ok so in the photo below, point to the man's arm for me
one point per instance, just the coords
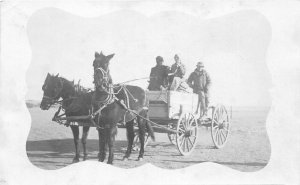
(208, 82)
(151, 73)
(182, 69)
(190, 80)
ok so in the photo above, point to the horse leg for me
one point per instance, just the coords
(85, 132)
(101, 155)
(111, 139)
(130, 138)
(142, 128)
(75, 131)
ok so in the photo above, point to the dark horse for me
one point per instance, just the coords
(115, 104)
(57, 87)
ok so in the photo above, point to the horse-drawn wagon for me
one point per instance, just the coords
(172, 112)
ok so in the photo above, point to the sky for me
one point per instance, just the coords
(232, 47)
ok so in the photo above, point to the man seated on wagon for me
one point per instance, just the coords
(177, 81)
(158, 76)
(200, 81)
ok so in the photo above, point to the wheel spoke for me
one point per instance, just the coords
(216, 115)
(223, 135)
(217, 138)
(219, 113)
(181, 142)
(181, 136)
(189, 118)
(216, 135)
(188, 121)
(181, 126)
(190, 141)
(180, 129)
(224, 116)
(187, 144)
(185, 121)
(220, 137)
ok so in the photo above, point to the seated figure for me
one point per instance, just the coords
(158, 76)
(177, 81)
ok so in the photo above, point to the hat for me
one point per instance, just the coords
(200, 64)
(176, 56)
(159, 59)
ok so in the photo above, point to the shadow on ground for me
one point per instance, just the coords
(50, 148)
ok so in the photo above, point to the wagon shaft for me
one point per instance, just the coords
(73, 118)
(164, 130)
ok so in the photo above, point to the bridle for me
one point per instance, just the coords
(54, 100)
(104, 82)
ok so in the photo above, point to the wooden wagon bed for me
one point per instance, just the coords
(167, 105)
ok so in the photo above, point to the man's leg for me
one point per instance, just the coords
(202, 99)
(175, 84)
(206, 101)
(198, 103)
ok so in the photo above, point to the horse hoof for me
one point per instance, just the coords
(84, 158)
(140, 159)
(125, 158)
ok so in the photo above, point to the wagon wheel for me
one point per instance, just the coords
(220, 126)
(186, 138)
(136, 141)
(171, 136)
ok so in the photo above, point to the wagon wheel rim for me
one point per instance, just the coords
(186, 138)
(220, 126)
(172, 136)
(136, 142)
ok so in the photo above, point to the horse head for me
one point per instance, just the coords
(52, 89)
(101, 71)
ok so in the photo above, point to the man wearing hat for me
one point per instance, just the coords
(177, 73)
(200, 81)
(158, 76)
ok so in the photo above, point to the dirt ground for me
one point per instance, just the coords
(50, 145)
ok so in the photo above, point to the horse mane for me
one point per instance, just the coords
(79, 89)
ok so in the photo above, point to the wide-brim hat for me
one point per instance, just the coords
(200, 64)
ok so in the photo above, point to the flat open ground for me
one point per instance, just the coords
(50, 145)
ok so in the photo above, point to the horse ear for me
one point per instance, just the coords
(101, 53)
(57, 75)
(110, 56)
(97, 54)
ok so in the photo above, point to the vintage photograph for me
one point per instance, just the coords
(170, 89)
(149, 92)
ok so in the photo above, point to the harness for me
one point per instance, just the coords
(111, 97)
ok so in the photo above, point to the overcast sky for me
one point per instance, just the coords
(232, 47)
